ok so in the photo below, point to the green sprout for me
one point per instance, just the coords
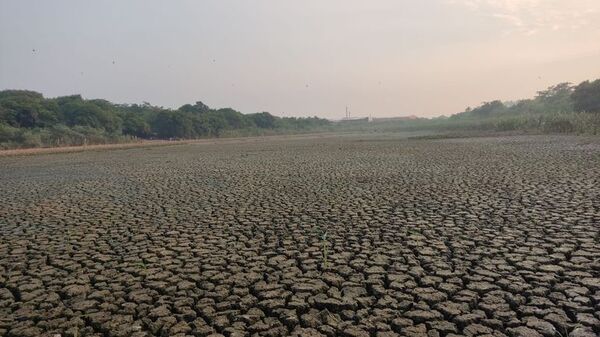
(325, 244)
(566, 332)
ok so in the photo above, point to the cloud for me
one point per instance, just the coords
(533, 16)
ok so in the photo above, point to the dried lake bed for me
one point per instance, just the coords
(336, 235)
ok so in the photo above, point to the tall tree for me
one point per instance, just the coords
(586, 96)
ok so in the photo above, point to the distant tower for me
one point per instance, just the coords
(347, 113)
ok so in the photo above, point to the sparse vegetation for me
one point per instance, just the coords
(562, 108)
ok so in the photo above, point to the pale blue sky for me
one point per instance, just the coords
(311, 57)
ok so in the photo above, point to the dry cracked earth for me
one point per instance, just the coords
(355, 235)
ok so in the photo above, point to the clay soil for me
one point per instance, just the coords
(350, 235)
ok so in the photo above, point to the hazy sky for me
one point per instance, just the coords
(309, 57)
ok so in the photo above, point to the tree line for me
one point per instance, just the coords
(560, 108)
(29, 119)
(560, 98)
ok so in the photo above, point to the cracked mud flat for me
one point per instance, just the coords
(471, 237)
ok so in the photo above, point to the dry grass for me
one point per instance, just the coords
(149, 143)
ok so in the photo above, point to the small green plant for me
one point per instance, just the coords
(566, 332)
(325, 245)
(322, 235)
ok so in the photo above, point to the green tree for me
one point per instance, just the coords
(263, 120)
(556, 98)
(586, 96)
(234, 119)
(198, 108)
(22, 108)
(488, 109)
(173, 124)
(135, 125)
(92, 114)
(216, 123)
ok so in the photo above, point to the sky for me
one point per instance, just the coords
(381, 58)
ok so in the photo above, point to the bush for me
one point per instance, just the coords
(8, 133)
(508, 124)
(558, 124)
(30, 138)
